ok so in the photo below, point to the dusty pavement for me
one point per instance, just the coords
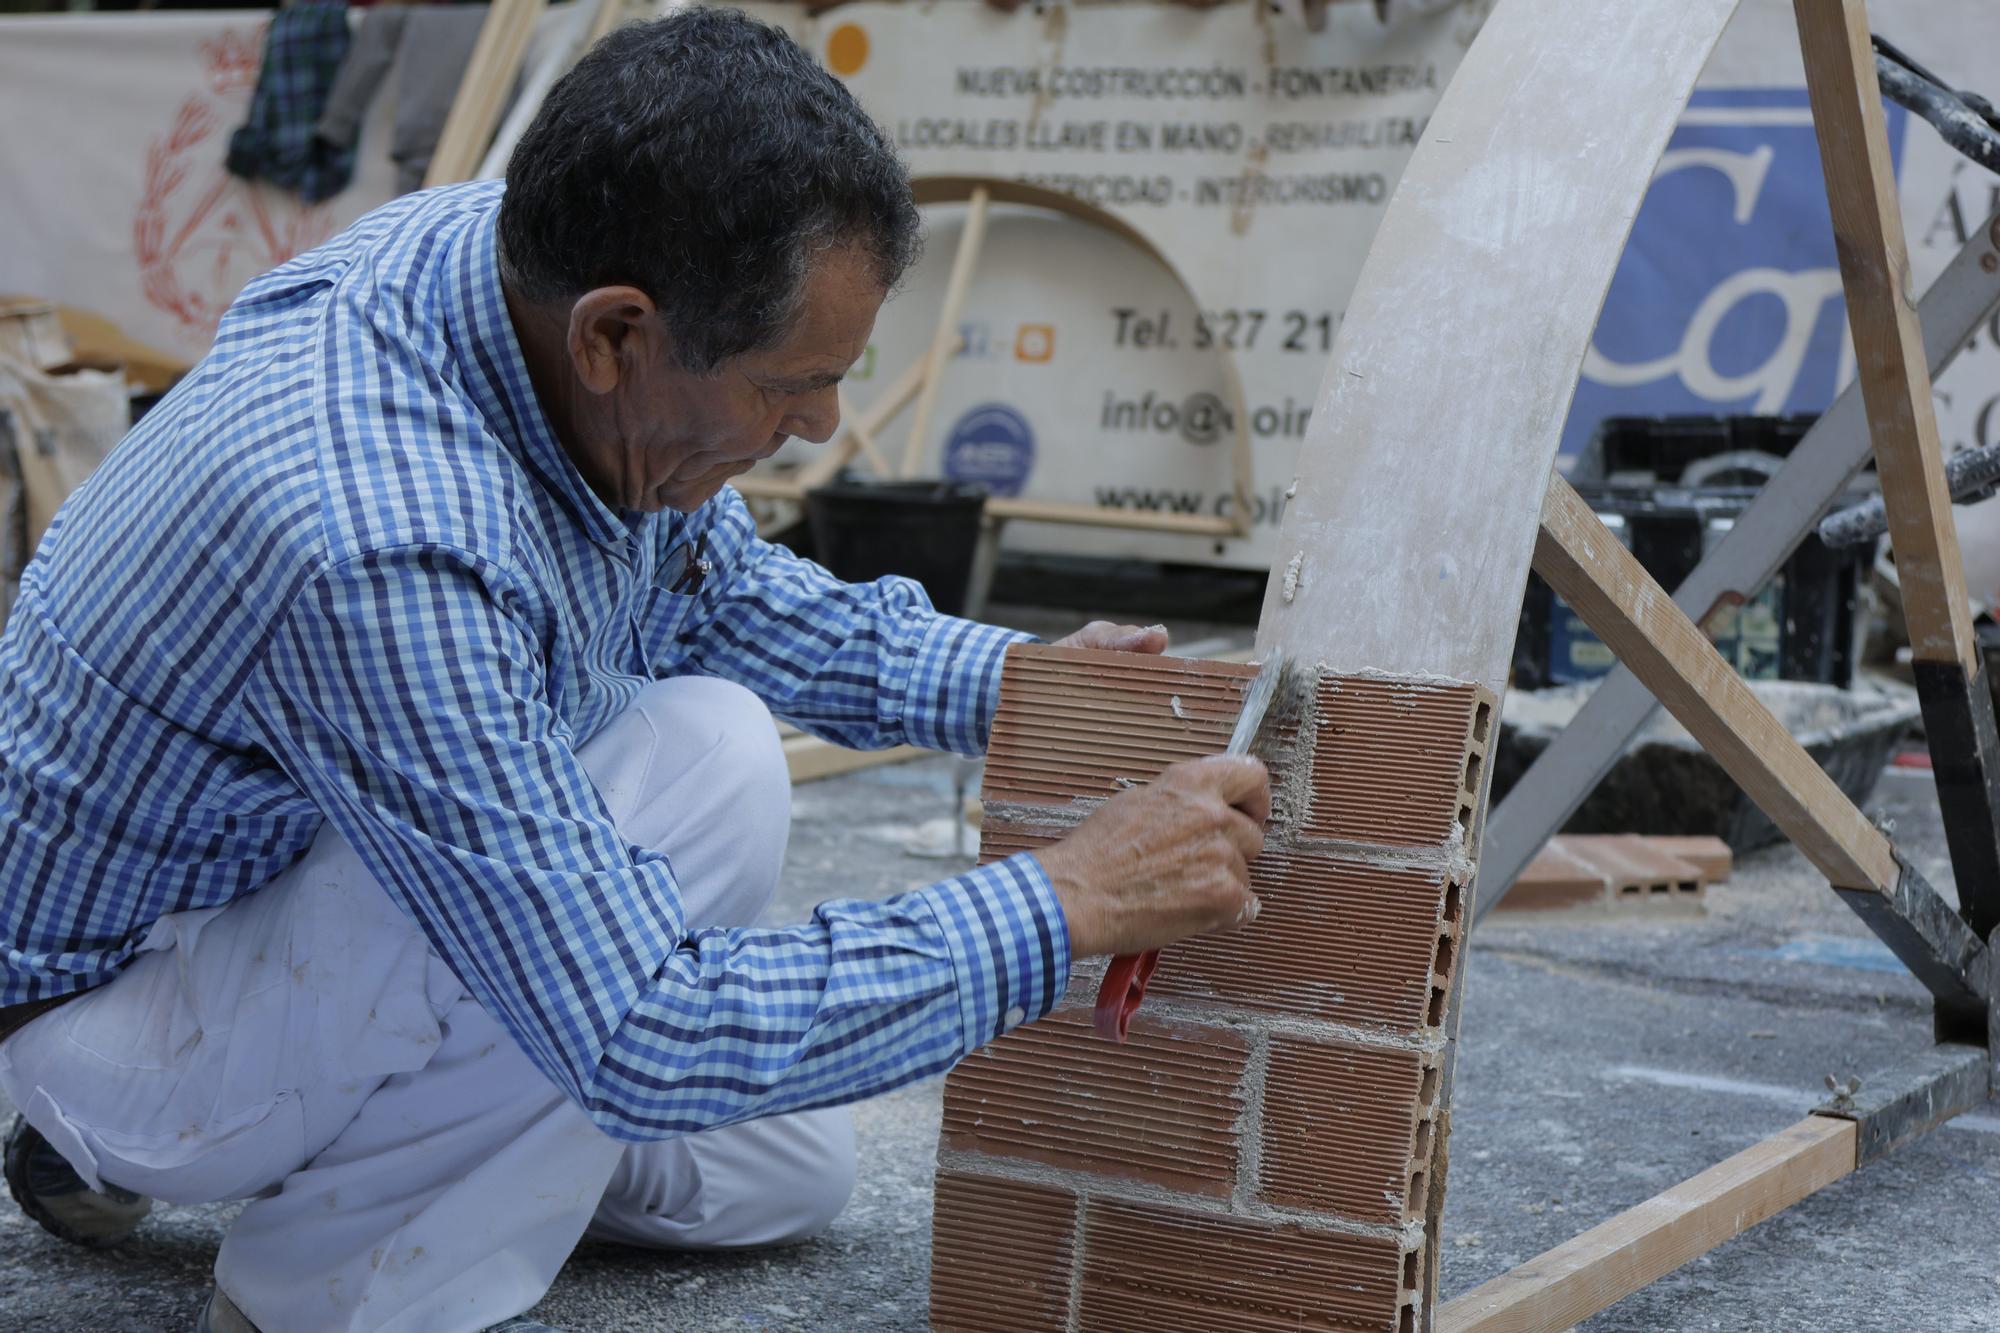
(1601, 1063)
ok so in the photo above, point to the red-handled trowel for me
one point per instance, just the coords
(1124, 984)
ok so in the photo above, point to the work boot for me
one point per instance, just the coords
(220, 1315)
(50, 1191)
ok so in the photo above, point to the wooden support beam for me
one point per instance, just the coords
(482, 91)
(862, 435)
(1896, 1106)
(1896, 388)
(1622, 604)
(1785, 510)
(1608, 1263)
(969, 241)
(1881, 316)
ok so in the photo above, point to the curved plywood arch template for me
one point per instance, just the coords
(1420, 481)
(1307, 1059)
(1420, 485)
(921, 381)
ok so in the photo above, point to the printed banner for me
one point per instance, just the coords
(1258, 157)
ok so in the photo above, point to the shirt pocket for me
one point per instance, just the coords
(661, 626)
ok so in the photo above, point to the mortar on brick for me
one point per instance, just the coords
(1165, 1271)
(1341, 1122)
(1002, 1255)
(1161, 1108)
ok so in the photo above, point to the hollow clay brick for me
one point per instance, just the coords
(1390, 760)
(1336, 939)
(1162, 1108)
(1001, 1253)
(1341, 1128)
(1557, 879)
(1073, 722)
(1343, 940)
(1150, 1268)
(1711, 856)
(1635, 867)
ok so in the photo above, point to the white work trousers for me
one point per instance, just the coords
(410, 1169)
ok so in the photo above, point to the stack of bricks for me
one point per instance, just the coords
(1264, 1152)
(1600, 872)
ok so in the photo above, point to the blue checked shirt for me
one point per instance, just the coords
(345, 573)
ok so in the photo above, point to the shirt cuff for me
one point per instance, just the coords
(1009, 944)
(955, 684)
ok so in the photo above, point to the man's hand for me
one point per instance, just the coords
(1118, 638)
(1166, 861)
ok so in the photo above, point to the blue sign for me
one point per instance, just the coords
(993, 445)
(1728, 297)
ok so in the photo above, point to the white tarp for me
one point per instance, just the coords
(115, 198)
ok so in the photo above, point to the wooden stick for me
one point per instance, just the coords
(881, 412)
(1608, 1263)
(489, 76)
(809, 757)
(864, 437)
(565, 49)
(1045, 511)
(1888, 346)
(1030, 511)
(1638, 620)
(969, 241)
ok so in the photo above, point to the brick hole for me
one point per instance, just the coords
(1629, 890)
(1687, 886)
(1481, 720)
(1408, 1323)
(1444, 956)
(1472, 775)
(1410, 1270)
(1437, 1007)
(1417, 1189)
(1453, 901)
(1465, 818)
(1422, 1150)
(1661, 888)
(1427, 1091)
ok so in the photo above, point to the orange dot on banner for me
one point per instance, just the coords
(847, 49)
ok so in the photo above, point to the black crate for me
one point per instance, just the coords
(1800, 627)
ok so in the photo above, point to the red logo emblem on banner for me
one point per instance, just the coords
(201, 233)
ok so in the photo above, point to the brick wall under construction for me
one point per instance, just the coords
(1264, 1150)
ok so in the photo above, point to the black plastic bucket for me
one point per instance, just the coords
(925, 530)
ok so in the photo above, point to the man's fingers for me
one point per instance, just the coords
(1118, 638)
(1244, 833)
(1240, 780)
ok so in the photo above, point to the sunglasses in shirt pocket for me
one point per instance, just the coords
(664, 611)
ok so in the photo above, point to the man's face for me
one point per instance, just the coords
(664, 438)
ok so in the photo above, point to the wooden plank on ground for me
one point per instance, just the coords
(1607, 1263)
(1622, 604)
(809, 757)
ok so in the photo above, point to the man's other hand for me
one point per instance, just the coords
(1165, 861)
(1118, 638)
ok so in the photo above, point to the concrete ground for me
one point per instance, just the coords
(1601, 1063)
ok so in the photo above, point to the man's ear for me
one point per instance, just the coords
(612, 332)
